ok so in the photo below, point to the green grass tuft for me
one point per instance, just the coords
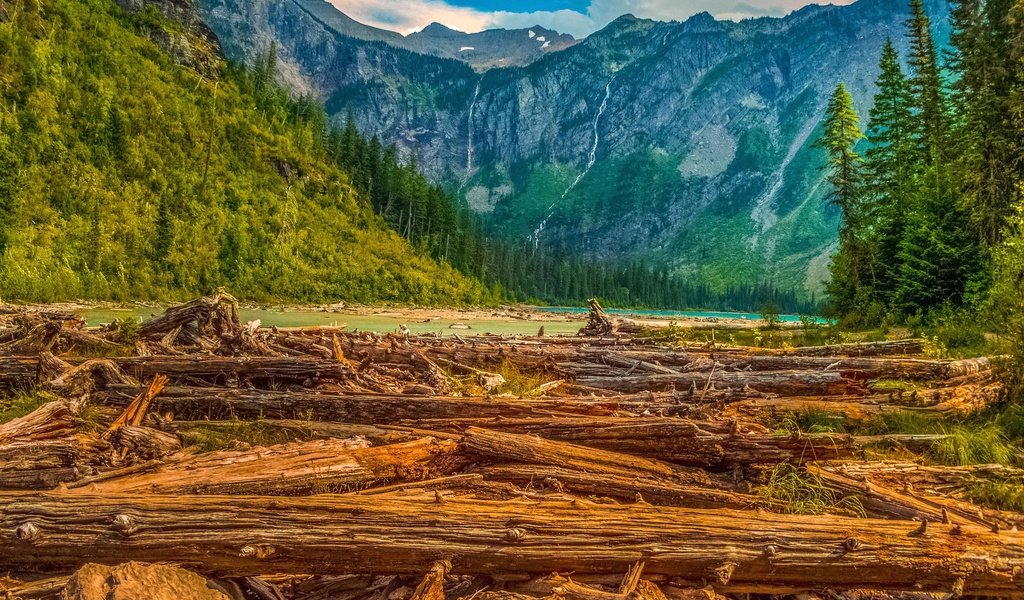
(20, 404)
(966, 445)
(792, 491)
(209, 438)
(998, 495)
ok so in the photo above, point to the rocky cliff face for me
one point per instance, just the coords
(689, 143)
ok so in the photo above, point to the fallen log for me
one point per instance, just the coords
(298, 468)
(367, 409)
(233, 370)
(216, 314)
(784, 383)
(888, 348)
(290, 430)
(506, 447)
(685, 442)
(43, 448)
(629, 489)
(18, 372)
(347, 535)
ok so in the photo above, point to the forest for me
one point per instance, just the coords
(125, 175)
(931, 193)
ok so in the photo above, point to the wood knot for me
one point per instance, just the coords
(515, 534)
(26, 532)
(723, 574)
(257, 552)
(771, 551)
(851, 544)
(123, 523)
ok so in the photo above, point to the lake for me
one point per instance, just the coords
(442, 325)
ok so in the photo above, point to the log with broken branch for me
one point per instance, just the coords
(347, 535)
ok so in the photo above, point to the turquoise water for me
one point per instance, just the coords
(374, 323)
(676, 314)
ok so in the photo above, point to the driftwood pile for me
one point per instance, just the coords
(403, 468)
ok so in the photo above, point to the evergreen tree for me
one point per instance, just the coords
(931, 125)
(851, 266)
(988, 143)
(889, 163)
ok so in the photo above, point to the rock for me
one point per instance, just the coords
(134, 580)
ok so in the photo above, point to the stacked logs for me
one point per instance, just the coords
(362, 466)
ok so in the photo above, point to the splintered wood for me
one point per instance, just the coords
(396, 467)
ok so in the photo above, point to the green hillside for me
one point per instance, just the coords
(135, 164)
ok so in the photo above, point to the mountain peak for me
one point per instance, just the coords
(436, 28)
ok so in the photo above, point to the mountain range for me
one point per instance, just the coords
(689, 143)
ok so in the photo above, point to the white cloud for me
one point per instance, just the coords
(407, 16)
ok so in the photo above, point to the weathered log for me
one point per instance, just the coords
(888, 348)
(630, 489)
(938, 487)
(685, 442)
(881, 501)
(79, 380)
(219, 312)
(229, 370)
(224, 403)
(18, 372)
(527, 449)
(51, 420)
(41, 338)
(432, 586)
(347, 535)
(146, 443)
(43, 448)
(286, 430)
(296, 468)
(785, 383)
(598, 323)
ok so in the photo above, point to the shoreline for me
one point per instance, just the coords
(518, 313)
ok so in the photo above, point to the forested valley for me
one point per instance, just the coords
(136, 164)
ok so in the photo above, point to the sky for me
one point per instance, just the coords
(577, 17)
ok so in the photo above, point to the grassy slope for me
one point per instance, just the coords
(105, 190)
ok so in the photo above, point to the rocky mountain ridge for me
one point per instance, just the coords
(688, 143)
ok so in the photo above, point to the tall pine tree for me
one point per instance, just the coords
(889, 163)
(852, 265)
(988, 143)
(931, 125)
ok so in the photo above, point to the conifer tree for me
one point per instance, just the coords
(988, 143)
(889, 165)
(851, 266)
(931, 124)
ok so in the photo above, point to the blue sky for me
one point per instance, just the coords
(578, 17)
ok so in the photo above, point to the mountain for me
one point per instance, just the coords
(488, 49)
(688, 144)
(135, 164)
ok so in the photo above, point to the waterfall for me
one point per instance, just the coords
(469, 137)
(591, 159)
